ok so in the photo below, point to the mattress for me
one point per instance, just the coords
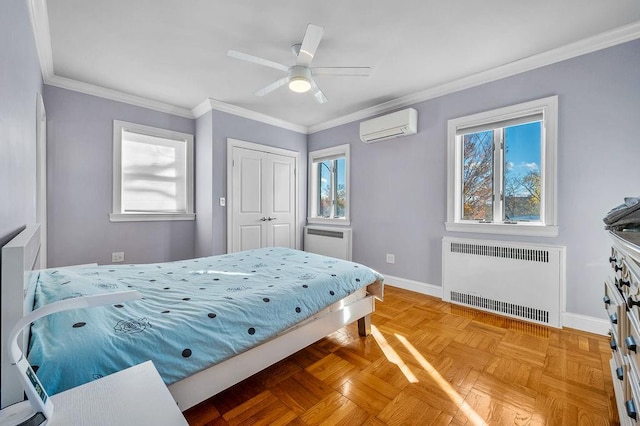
(193, 314)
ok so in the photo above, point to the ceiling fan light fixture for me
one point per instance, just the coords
(299, 79)
(299, 84)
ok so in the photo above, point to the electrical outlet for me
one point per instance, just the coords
(391, 258)
(223, 202)
(117, 256)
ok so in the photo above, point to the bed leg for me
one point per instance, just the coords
(364, 325)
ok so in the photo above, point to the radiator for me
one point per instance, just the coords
(523, 281)
(333, 242)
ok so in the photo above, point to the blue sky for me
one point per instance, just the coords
(341, 174)
(523, 148)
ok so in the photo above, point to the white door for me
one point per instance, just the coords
(263, 200)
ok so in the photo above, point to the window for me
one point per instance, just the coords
(152, 174)
(329, 185)
(502, 170)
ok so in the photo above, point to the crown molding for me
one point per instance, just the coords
(40, 24)
(115, 95)
(591, 44)
(39, 18)
(202, 108)
(212, 104)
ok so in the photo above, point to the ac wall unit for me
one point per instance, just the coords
(399, 123)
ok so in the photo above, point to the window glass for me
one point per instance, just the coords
(331, 188)
(477, 179)
(152, 174)
(522, 179)
(324, 190)
(329, 185)
(502, 168)
(341, 187)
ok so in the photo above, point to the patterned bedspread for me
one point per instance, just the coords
(193, 314)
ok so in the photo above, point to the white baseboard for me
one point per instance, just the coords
(586, 323)
(418, 287)
(570, 320)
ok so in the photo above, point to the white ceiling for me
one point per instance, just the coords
(174, 51)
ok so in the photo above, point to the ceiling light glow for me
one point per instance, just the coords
(299, 84)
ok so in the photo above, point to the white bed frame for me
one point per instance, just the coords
(19, 257)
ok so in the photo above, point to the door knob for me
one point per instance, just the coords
(263, 219)
(271, 218)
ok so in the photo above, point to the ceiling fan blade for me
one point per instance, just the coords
(342, 71)
(317, 93)
(273, 86)
(257, 60)
(310, 43)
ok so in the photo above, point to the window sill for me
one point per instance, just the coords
(504, 229)
(327, 221)
(150, 217)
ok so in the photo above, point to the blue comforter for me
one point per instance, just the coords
(193, 314)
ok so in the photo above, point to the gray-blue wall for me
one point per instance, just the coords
(213, 129)
(205, 203)
(80, 169)
(80, 159)
(398, 187)
(20, 81)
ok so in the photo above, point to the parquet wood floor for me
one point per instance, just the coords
(428, 362)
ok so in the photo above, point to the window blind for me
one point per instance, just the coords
(154, 174)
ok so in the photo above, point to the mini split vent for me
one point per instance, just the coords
(522, 281)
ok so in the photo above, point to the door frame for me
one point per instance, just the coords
(237, 143)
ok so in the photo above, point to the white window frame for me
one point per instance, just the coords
(117, 214)
(547, 227)
(314, 158)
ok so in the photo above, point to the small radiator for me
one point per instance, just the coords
(333, 242)
(523, 281)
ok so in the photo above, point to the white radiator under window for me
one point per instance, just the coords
(334, 242)
(523, 281)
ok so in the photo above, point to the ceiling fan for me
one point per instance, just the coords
(300, 76)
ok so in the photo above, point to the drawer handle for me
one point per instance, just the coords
(612, 259)
(614, 318)
(631, 409)
(631, 343)
(632, 302)
(617, 268)
(613, 345)
(625, 282)
(607, 300)
(620, 373)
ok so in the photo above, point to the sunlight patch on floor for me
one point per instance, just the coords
(392, 355)
(444, 385)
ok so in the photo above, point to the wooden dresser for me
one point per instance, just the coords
(622, 302)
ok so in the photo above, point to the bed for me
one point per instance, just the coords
(194, 301)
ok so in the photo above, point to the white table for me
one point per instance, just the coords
(135, 396)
